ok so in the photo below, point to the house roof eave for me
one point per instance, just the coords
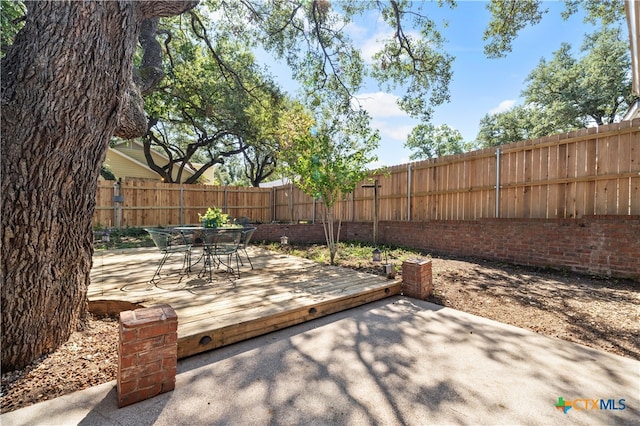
(632, 10)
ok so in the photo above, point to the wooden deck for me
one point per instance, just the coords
(279, 292)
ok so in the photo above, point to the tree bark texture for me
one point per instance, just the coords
(67, 87)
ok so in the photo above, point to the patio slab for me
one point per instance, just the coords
(393, 361)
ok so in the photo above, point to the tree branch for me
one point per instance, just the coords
(317, 20)
(227, 72)
(132, 121)
(150, 72)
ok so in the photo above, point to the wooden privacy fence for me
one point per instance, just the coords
(588, 172)
(593, 171)
(148, 203)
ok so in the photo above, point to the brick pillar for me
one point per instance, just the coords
(416, 278)
(147, 353)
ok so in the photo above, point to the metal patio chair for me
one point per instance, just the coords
(247, 233)
(170, 242)
(220, 247)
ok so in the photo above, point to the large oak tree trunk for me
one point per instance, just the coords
(66, 89)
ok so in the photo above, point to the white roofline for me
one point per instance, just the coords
(632, 10)
(131, 159)
(164, 157)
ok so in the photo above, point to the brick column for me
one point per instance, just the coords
(416, 278)
(147, 353)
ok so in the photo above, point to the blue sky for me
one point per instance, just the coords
(479, 85)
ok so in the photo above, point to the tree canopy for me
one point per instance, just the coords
(570, 91)
(509, 17)
(429, 141)
(213, 104)
(594, 87)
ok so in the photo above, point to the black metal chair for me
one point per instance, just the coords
(169, 242)
(220, 246)
(247, 233)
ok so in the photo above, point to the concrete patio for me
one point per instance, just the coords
(393, 361)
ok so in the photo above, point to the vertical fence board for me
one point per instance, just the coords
(485, 185)
(428, 202)
(450, 190)
(571, 193)
(539, 166)
(552, 198)
(579, 172)
(634, 166)
(586, 173)
(473, 194)
(508, 195)
(518, 178)
(465, 194)
(562, 186)
(521, 210)
(422, 187)
(433, 197)
(629, 164)
(624, 167)
(444, 193)
(612, 169)
(602, 168)
(458, 204)
(486, 177)
(590, 170)
(447, 197)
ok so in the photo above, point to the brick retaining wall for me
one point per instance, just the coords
(598, 245)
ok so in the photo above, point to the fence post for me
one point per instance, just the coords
(353, 206)
(291, 201)
(375, 187)
(272, 202)
(181, 212)
(375, 211)
(118, 199)
(408, 192)
(115, 207)
(497, 183)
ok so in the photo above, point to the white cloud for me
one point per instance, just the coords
(393, 124)
(355, 31)
(374, 43)
(380, 105)
(369, 48)
(392, 130)
(503, 106)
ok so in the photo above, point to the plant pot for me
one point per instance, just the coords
(209, 223)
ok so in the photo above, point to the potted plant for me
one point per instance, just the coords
(213, 218)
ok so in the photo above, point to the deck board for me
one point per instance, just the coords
(279, 292)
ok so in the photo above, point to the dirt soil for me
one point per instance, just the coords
(603, 314)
